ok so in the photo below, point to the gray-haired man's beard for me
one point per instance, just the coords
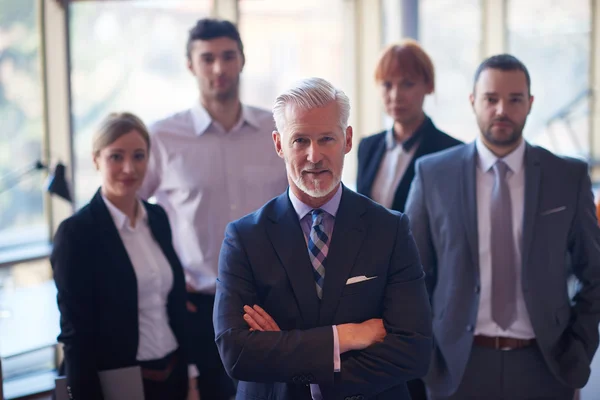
(315, 189)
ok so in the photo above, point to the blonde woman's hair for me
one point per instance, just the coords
(116, 125)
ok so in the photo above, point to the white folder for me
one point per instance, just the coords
(117, 384)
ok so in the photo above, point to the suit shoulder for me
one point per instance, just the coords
(372, 139)
(74, 233)
(549, 158)
(81, 221)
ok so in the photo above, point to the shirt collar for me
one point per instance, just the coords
(120, 219)
(407, 145)
(331, 207)
(202, 119)
(486, 159)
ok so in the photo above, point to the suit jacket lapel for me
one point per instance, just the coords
(114, 247)
(425, 146)
(373, 167)
(469, 201)
(347, 237)
(289, 243)
(160, 235)
(532, 188)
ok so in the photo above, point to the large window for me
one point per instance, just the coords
(127, 56)
(288, 40)
(29, 324)
(552, 38)
(451, 31)
(22, 218)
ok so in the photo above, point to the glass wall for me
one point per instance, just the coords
(451, 33)
(29, 325)
(288, 40)
(552, 38)
(22, 217)
(127, 56)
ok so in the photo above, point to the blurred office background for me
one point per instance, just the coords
(65, 64)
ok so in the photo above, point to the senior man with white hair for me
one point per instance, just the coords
(320, 293)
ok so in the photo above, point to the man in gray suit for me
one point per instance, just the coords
(501, 225)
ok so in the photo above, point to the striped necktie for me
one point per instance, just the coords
(318, 247)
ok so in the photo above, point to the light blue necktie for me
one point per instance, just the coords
(318, 248)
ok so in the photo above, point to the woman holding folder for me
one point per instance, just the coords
(121, 288)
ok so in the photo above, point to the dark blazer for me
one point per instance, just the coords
(97, 294)
(372, 149)
(559, 224)
(264, 260)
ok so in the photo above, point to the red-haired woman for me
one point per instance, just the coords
(386, 160)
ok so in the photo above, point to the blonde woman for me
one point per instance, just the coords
(121, 289)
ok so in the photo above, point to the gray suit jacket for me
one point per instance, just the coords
(560, 238)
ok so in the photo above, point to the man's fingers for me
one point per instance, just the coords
(191, 307)
(254, 326)
(257, 317)
(266, 316)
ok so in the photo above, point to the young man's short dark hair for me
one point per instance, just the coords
(503, 62)
(209, 28)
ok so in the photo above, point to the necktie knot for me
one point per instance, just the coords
(501, 169)
(317, 216)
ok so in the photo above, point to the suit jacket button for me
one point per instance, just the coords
(470, 328)
(477, 289)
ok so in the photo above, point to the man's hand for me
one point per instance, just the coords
(259, 320)
(193, 393)
(360, 336)
(189, 305)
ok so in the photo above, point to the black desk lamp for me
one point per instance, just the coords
(56, 183)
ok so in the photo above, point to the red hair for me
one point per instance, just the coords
(406, 58)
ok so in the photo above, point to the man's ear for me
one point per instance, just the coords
(530, 104)
(190, 66)
(348, 143)
(277, 142)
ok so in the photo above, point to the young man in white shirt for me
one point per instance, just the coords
(211, 164)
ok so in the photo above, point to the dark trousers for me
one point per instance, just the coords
(213, 382)
(508, 375)
(175, 387)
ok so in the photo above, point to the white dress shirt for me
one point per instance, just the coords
(206, 177)
(393, 166)
(521, 327)
(304, 215)
(154, 278)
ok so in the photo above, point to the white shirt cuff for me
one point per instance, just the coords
(192, 371)
(337, 363)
